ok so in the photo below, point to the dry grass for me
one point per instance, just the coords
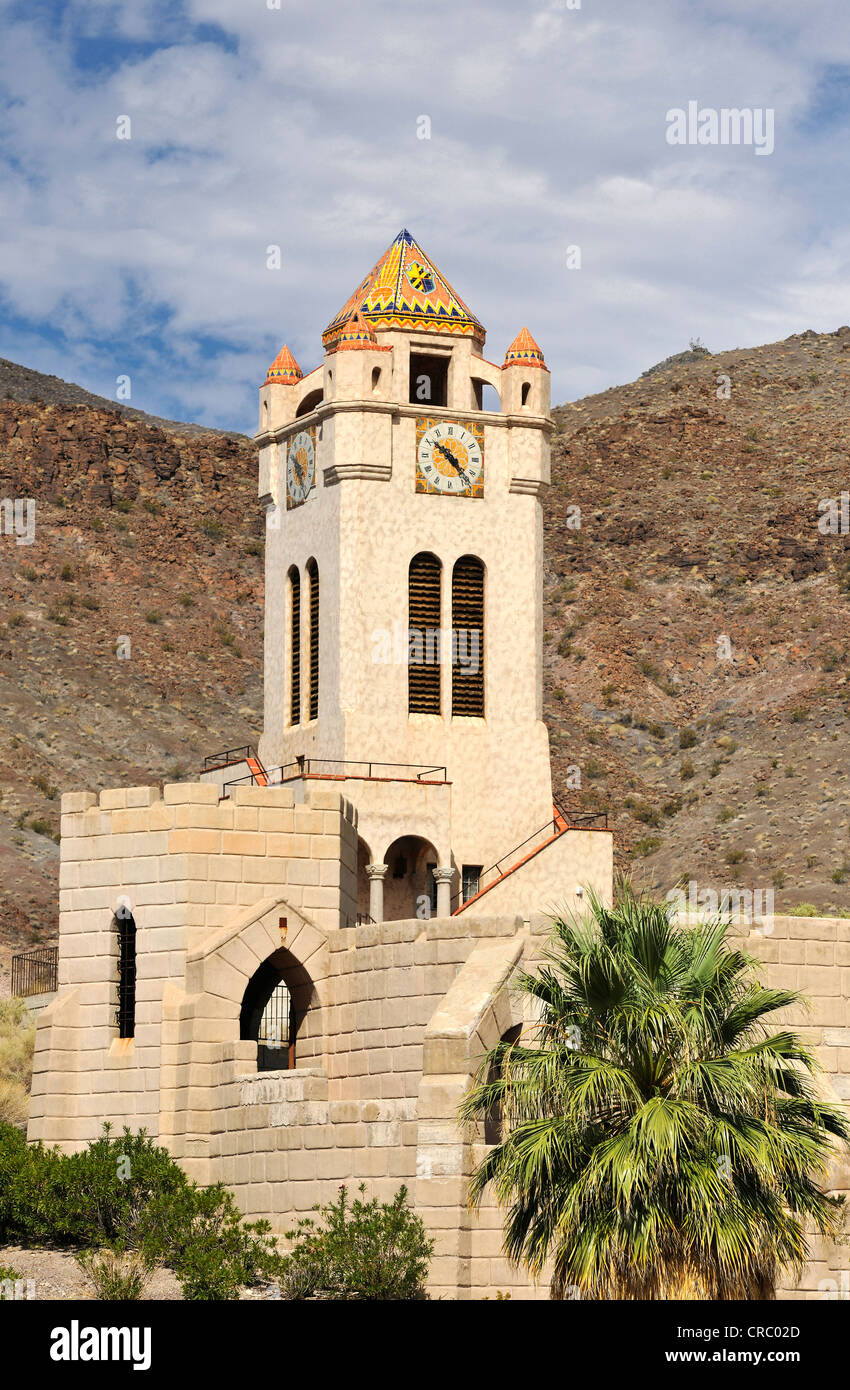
(17, 1039)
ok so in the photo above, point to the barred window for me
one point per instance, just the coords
(295, 646)
(468, 637)
(423, 659)
(313, 576)
(126, 1014)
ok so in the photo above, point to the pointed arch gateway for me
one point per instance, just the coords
(275, 1005)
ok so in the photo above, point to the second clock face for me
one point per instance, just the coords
(300, 468)
(449, 458)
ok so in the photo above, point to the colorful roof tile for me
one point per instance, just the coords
(284, 370)
(356, 334)
(524, 350)
(406, 290)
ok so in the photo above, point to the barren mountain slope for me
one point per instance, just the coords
(141, 535)
(696, 625)
(699, 541)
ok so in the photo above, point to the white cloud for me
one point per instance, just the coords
(548, 128)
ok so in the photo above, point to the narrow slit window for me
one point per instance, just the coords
(126, 1014)
(295, 646)
(468, 637)
(423, 654)
(313, 576)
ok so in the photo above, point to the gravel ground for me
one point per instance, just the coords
(57, 1276)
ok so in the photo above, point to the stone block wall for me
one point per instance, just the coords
(401, 1013)
(185, 863)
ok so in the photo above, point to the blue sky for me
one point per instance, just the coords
(254, 126)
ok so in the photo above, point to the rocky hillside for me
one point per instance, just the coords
(131, 630)
(696, 623)
(698, 620)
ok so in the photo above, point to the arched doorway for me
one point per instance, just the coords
(410, 889)
(276, 1013)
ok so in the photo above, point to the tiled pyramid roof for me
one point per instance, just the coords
(284, 369)
(406, 290)
(523, 349)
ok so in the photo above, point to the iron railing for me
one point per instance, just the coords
(310, 767)
(563, 820)
(36, 972)
(230, 755)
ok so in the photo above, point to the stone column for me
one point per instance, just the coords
(444, 875)
(375, 874)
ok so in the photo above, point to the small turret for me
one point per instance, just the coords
(279, 392)
(526, 378)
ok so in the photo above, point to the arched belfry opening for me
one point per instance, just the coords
(280, 1013)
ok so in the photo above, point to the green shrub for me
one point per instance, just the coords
(126, 1194)
(688, 738)
(366, 1250)
(804, 910)
(647, 846)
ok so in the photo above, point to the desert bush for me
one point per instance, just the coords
(804, 910)
(688, 738)
(14, 1104)
(646, 846)
(114, 1276)
(126, 1194)
(366, 1250)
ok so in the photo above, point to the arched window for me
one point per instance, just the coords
(125, 1015)
(294, 646)
(423, 656)
(526, 388)
(275, 1007)
(313, 576)
(468, 637)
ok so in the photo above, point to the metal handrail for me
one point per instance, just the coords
(302, 767)
(550, 828)
(222, 759)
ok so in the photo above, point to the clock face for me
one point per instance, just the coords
(300, 467)
(450, 458)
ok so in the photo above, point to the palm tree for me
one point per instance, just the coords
(659, 1142)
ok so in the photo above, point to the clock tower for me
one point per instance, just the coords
(404, 557)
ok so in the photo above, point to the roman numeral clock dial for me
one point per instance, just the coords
(300, 467)
(450, 458)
